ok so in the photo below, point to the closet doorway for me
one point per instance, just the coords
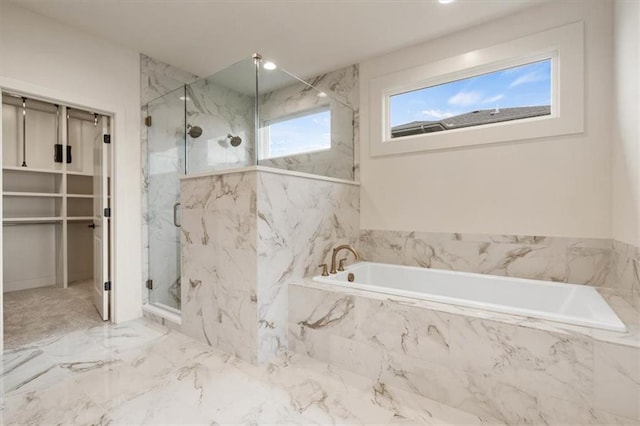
(56, 211)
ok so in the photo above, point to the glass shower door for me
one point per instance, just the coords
(166, 163)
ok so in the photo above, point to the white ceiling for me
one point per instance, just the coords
(306, 37)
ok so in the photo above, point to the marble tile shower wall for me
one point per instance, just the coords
(219, 268)
(597, 262)
(219, 111)
(156, 79)
(245, 238)
(342, 84)
(299, 221)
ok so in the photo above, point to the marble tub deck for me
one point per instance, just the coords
(510, 368)
(142, 373)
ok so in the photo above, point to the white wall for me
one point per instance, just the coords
(626, 125)
(555, 187)
(40, 56)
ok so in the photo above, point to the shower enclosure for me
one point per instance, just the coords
(251, 113)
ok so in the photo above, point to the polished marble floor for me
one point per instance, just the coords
(31, 315)
(142, 373)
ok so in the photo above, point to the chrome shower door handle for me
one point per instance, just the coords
(175, 215)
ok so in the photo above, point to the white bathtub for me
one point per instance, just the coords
(565, 303)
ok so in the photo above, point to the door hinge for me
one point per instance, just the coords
(147, 121)
(106, 138)
(107, 212)
(150, 284)
(107, 286)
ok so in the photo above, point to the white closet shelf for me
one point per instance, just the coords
(32, 170)
(72, 173)
(74, 218)
(30, 219)
(31, 194)
(79, 196)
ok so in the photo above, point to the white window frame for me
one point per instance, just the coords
(564, 46)
(265, 134)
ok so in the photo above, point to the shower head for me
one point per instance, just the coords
(194, 131)
(234, 140)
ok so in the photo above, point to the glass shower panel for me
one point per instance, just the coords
(302, 128)
(166, 163)
(222, 107)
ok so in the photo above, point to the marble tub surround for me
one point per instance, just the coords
(245, 237)
(625, 271)
(573, 260)
(342, 86)
(113, 374)
(500, 367)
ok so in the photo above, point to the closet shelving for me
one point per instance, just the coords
(47, 193)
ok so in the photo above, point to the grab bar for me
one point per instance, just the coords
(175, 215)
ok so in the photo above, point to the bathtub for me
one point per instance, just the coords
(565, 303)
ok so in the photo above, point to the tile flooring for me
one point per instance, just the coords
(142, 373)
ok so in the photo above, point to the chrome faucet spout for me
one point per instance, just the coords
(335, 255)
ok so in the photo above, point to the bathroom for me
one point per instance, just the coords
(515, 290)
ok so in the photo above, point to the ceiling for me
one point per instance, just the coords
(306, 37)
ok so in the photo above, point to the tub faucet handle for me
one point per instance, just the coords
(325, 272)
(341, 264)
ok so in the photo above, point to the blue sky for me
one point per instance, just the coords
(525, 85)
(301, 134)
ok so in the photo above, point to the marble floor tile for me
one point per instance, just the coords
(142, 373)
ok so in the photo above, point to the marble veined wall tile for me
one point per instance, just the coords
(408, 330)
(574, 260)
(624, 271)
(219, 262)
(497, 370)
(245, 238)
(219, 111)
(158, 78)
(536, 361)
(299, 221)
(617, 380)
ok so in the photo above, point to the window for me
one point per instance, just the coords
(514, 93)
(302, 133)
(527, 88)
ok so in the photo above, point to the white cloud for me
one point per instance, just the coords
(530, 77)
(465, 98)
(492, 99)
(436, 114)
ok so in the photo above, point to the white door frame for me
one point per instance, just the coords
(114, 113)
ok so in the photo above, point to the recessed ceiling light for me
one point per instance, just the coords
(269, 66)
(185, 98)
(322, 95)
(445, 1)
